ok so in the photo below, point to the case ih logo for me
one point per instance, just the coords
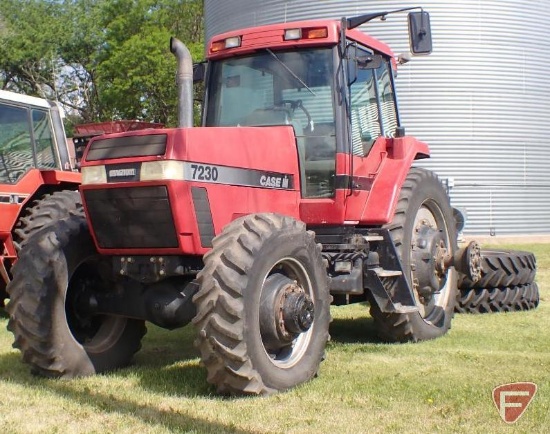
(513, 399)
(122, 173)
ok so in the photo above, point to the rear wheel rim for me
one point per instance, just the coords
(431, 214)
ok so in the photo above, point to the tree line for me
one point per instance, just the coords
(101, 59)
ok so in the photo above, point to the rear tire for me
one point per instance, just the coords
(422, 201)
(56, 337)
(247, 342)
(508, 299)
(503, 268)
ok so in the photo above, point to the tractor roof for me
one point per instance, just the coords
(273, 36)
(23, 99)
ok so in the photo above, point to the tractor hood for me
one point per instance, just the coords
(172, 154)
(171, 191)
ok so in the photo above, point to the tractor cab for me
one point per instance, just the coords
(331, 83)
(28, 137)
(290, 87)
(334, 86)
(37, 184)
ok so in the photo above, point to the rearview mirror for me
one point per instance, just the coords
(199, 70)
(359, 59)
(420, 32)
(372, 61)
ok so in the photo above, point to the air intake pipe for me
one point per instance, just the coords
(184, 81)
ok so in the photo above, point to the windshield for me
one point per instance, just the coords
(282, 88)
(19, 128)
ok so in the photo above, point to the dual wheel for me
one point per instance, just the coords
(507, 284)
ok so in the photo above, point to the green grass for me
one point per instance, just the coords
(364, 386)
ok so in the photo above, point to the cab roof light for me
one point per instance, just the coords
(307, 33)
(315, 33)
(217, 46)
(293, 34)
(233, 42)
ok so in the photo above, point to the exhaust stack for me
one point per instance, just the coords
(184, 81)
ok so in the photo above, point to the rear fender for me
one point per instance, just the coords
(382, 199)
(56, 177)
(15, 197)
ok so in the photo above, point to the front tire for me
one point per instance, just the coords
(263, 307)
(56, 337)
(422, 208)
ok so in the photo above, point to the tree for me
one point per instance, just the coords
(81, 52)
(136, 75)
(100, 59)
(50, 49)
(29, 46)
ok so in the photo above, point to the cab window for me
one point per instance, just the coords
(26, 141)
(371, 101)
(45, 149)
(293, 88)
(16, 155)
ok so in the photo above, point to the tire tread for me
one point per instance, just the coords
(400, 327)
(220, 320)
(507, 299)
(32, 300)
(503, 269)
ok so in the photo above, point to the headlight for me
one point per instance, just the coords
(162, 170)
(94, 175)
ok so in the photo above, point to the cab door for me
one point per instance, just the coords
(372, 122)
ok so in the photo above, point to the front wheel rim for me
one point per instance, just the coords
(96, 333)
(293, 286)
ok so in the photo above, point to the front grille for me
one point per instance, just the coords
(131, 218)
(131, 146)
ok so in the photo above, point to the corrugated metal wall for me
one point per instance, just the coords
(481, 100)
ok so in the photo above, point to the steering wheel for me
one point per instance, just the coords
(294, 104)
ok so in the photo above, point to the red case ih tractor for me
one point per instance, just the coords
(37, 184)
(296, 192)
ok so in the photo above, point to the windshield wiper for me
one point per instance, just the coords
(290, 71)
